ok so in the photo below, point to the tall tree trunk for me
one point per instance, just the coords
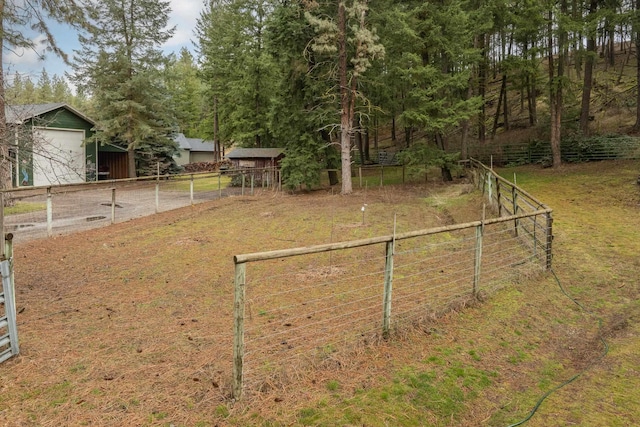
(393, 129)
(367, 145)
(466, 124)
(216, 131)
(131, 162)
(5, 159)
(555, 87)
(482, 86)
(345, 103)
(408, 136)
(444, 170)
(501, 99)
(636, 126)
(588, 75)
(358, 137)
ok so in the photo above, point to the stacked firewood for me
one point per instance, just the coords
(207, 166)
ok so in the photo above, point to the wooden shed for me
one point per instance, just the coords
(246, 158)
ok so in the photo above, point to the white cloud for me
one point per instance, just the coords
(25, 58)
(184, 14)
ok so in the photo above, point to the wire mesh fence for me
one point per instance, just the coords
(37, 212)
(298, 308)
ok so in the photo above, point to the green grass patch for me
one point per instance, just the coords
(24, 207)
(201, 183)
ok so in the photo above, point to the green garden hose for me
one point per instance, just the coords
(573, 378)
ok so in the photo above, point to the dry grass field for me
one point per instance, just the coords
(132, 324)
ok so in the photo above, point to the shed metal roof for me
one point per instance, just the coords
(20, 113)
(255, 153)
(193, 144)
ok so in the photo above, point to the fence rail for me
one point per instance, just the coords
(305, 304)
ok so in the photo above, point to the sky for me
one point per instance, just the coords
(27, 62)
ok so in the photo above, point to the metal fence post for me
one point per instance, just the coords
(238, 329)
(113, 205)
(477, 260)
(388, 287)
(157, 196)
(49, 213)
(191, 190)
(514, 196)
(498, 197)
(549, 240)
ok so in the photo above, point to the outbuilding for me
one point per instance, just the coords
(249, 158)
(49, 147)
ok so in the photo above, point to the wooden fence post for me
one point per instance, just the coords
(242, 184)
(238, 329)
(252, 175)
(388, 286)
(49, 213)
(219, 186)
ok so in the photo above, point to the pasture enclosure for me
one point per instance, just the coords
(52, 210)
(295, 308)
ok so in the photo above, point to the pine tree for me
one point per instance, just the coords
(238, 70)
(186, 89)
(298, 108)
(44, 88)
(349, 43)
(120, 65)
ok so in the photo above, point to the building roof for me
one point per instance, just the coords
(193, 144)
(19, 113)
(255, 153)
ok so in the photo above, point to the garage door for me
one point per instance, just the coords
(58, 156)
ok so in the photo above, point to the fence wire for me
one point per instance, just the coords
(39, 212)
(295, 309)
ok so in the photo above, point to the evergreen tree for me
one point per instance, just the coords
(120, 65)
(186, 89)
(61, 90)
(298, 107)
(44, 89)
(238, 70)
(348, 42)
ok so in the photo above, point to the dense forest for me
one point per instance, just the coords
(329, 81)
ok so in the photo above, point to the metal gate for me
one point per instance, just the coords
(8, 325)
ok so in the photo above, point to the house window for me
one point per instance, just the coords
(247, 163)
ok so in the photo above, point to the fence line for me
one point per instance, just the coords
(44, 211)
(303, 305)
